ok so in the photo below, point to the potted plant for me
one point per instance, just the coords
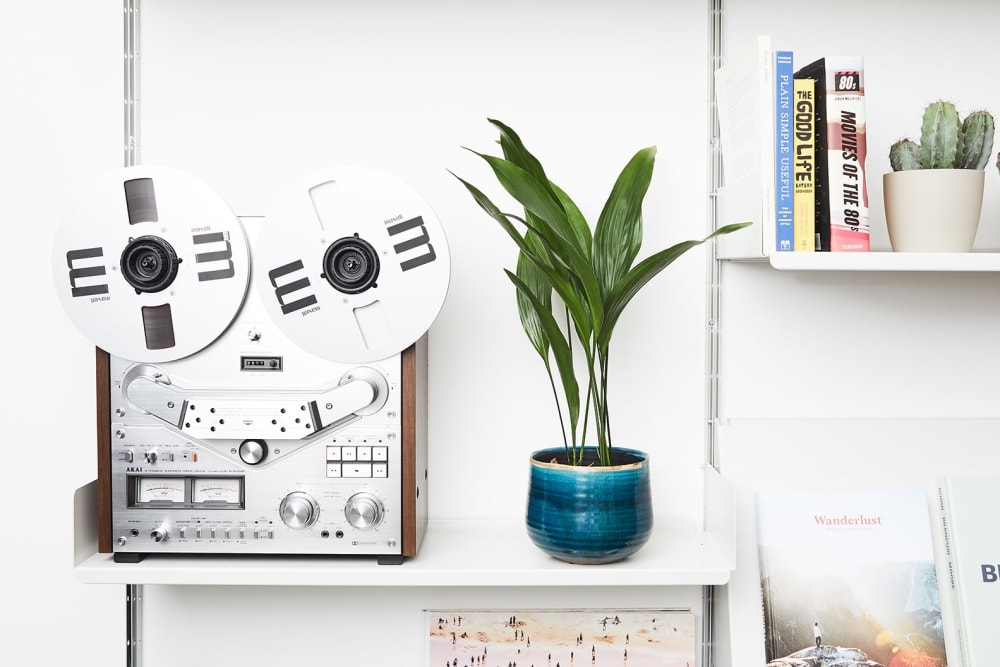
(934, 193)
(587, 503)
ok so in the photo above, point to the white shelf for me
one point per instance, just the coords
(885, 261)
(453, 553)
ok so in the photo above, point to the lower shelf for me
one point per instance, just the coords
(453, 553)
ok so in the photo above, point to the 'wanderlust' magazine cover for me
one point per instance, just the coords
(848, 578)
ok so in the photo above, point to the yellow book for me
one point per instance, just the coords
(804, 165)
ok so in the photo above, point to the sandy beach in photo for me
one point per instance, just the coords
(588, 638)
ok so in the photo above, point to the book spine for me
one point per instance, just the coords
(846, 150)
(766, 602)
(783, 197)
(817, 72)
(947, 542)
(804, 165)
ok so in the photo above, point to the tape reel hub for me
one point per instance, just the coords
(351, 265)
(149, 264)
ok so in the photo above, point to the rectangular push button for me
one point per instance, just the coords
(357, 470)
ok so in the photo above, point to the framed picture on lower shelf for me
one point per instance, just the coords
(560, 638)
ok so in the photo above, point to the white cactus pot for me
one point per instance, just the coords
(933, 210)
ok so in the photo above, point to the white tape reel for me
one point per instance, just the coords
(352, 264)
(151, 264)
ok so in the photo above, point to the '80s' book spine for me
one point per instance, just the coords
(840, 149)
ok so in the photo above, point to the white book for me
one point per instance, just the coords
(744, 90)
(967, 509)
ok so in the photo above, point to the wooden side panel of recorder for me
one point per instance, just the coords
(414, 419)
(103, 452)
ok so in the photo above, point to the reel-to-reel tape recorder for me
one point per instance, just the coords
(283, 417)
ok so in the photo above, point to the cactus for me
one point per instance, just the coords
(946, 141)
(904, 154)
(940, 136)
(977, 140)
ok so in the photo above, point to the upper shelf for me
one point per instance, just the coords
(453, 553)
(884, 261)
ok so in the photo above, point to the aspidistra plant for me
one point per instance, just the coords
(592, 274)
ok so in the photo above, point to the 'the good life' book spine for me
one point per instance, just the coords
(804, 165)
(841, 149)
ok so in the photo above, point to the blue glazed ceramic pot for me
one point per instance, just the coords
(589, 514)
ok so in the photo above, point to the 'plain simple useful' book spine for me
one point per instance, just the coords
(783, 197)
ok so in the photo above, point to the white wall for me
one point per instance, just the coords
(61, 122)
(249, 95)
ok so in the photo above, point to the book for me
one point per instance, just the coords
(745, 105)
(972, 556)
(840, 148)
(783, 200)
(849, 576)
(804, 165)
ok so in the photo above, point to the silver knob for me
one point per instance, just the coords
(364, 511)
(253, 451)
(160, 534)
(298, 510)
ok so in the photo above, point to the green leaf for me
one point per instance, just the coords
(532, 194)
(641, 274)
(541, 287)
(560, 350)
(494, 212)
(514, 150)
(556, 231)
(560, 276)
(618, 235)
(578, 224)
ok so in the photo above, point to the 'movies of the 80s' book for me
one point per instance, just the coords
(841, 148)
(854, 567)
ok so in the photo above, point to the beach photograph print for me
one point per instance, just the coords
(561, 638)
